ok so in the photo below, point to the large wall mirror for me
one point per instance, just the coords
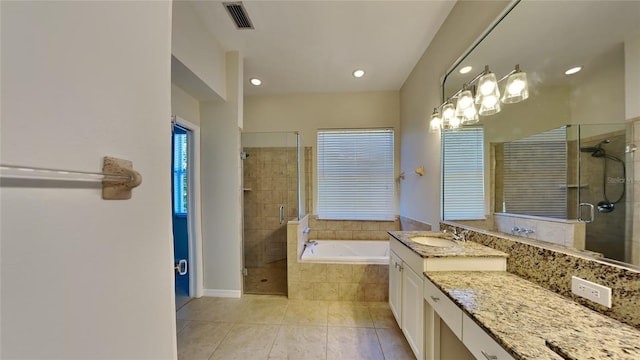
(558, 166)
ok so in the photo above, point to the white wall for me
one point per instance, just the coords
(184, 105)
(632, 77)
(307, 113)
(221, 186)
(198, 51)
(84, 277)
(420, 196)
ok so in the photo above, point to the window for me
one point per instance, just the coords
(356, 174)
(535, 175)
(463, 174)
(180, 191)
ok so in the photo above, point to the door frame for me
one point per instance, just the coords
(194, 214)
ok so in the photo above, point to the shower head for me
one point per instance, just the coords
(596, 151)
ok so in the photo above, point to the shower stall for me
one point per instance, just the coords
(575, 172)
(605, 192)
(271, 189)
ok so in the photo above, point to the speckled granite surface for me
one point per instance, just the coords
(531, 322)
(552, 267)
(464, 249)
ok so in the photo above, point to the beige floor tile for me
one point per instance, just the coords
(211, 309)
(247, 341)
(300, 342)
(306, 312)
(199, 339)
(353, 344)
(268, 310)
(382, 318)
(180, 324)
(352, 314)
(394, 345)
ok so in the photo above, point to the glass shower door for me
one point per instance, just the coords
(270, 181)
(606, 187)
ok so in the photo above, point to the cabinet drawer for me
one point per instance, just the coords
(448, 311)
(480, 344)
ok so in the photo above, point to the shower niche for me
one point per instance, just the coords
(582, 173)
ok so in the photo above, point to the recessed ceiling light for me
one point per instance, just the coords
(465, 69)
(573, 70)
(255, 82)
(358, 73)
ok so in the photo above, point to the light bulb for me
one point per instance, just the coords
(487, 87)
(515, 87)
(448, 111)
(489, 101)
(454, 122)
(436, 123)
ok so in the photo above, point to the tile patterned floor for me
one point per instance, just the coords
(271, 327)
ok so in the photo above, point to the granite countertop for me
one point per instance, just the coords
(531, 322)
(459, 248)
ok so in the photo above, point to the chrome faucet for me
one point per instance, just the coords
(310, 243)
(461, 236)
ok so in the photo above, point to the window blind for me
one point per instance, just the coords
(355, 174)
(180, 193)
(535, 175)
(463, 174)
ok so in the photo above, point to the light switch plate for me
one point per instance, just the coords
(592, 291)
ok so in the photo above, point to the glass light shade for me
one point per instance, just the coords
(488, 95)
(489, 105)
(516, 89)
(448, 111)
(470, 115)
(466, 109)
(465, 100)
(454, 123)
(436, 122)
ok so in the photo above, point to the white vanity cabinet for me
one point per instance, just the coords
(405, 300)
(395, 286)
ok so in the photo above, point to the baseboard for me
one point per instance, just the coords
(222, 293)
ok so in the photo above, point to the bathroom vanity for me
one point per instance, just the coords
(410, 257)
(457, 301)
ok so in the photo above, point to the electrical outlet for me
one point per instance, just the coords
(592, 291)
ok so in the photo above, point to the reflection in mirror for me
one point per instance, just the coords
(559, 166)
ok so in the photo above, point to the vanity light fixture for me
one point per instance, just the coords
(517, 87)
(436, 121)
(449, 119)
(255, 81)
(573, 70)
(465, 108)
(358, 73)
(487, 96)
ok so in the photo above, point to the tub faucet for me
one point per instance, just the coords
(310, 243)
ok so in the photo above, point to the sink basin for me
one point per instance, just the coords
(433, 241)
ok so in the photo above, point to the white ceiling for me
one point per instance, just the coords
(313, 46)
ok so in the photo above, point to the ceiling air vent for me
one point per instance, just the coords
(238, 14)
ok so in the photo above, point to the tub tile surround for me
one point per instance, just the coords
(551, 267)
(509, 308)
(335, 282)
(350, 229)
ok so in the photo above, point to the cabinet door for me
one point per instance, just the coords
(395, 286)
(412, 310)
